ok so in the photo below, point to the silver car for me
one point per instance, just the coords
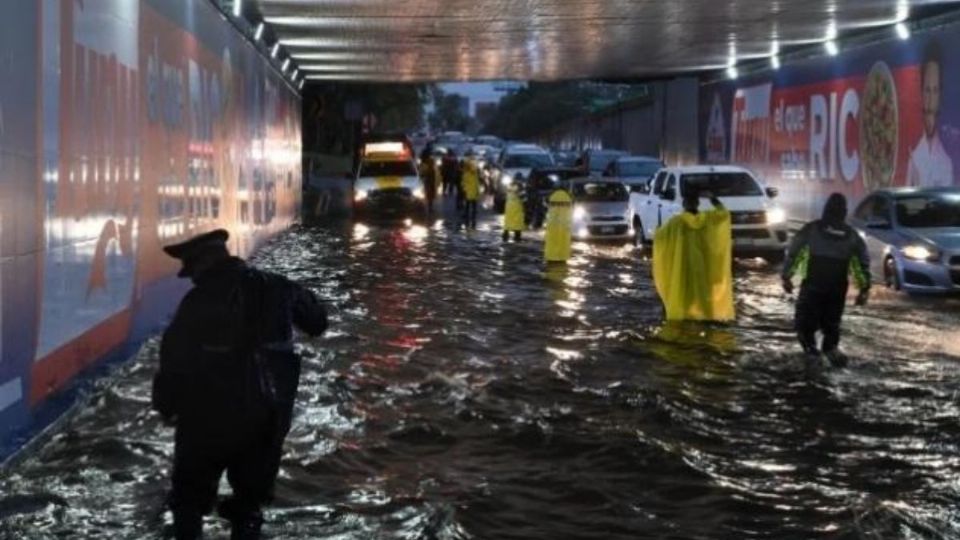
(601, 209)
(913, 236)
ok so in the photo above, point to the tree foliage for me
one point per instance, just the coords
(392, 107)
(539, 107)
(447, 114)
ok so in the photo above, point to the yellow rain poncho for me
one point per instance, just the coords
(692, 266)
(556, 245)
(470, 181)
(513, 213)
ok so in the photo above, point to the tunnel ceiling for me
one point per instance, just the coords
(447, 40)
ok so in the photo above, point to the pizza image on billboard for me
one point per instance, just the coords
(879, 123)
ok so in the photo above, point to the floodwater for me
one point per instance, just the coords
(464, 391)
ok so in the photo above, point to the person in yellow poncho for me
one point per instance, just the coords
(692, 262)
(556, 244)
(470, 186)
(513, 219)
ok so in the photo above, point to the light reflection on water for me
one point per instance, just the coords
(468, 391)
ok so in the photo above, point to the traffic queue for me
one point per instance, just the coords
(912, 234)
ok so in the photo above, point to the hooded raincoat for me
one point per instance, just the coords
(556, 245)
(513, 213)
(692, 266)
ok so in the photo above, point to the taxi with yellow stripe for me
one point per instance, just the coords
(388, 184)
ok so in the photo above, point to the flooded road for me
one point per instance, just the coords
(465, 392)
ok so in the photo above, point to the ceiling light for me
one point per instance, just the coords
(903, 10)
(286, 64)
(237, 8)
(275, 50)
(831, 47)
(775, 48)
(295, 72)
(775, 62)
(300, 86)
(732, 72)
(902, 31)
(832, 31)
(259, 33)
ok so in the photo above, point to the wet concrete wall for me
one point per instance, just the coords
(663, 124)
(124, 126)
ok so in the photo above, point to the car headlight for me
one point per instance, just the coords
(438, 162)
(579, 213)
(418, 193)
(920, 253)
(360, 195)
(506, 179)
(775, 216)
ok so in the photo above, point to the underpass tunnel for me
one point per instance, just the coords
(465, 389)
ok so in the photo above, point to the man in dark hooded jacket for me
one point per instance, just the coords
(824, 253)
(227, 380)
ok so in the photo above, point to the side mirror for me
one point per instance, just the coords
(878, 223)
(668, 194)
(772, 192)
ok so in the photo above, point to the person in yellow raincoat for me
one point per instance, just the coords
(692, 266)
(513, 219)
(431, 177)
(470, 185)
(556, 245)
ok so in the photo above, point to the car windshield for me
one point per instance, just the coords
(600, 160)
(929, 211)
(644, 169)
(600, 192)
(565, 159)
(523, 161)
(387, 168)
(736, 184)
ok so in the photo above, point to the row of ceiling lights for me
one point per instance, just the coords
(830, 45)
(274, 50)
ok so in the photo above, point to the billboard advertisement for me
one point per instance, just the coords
(875, 116)
(124, 126)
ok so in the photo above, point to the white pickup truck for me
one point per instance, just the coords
(759, 226)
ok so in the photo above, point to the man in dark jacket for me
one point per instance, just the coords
(227, 380)
(824, 252)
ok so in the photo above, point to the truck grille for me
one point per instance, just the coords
(607, 230)
(748, 218)
(751, 233)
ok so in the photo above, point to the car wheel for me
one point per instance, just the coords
(639, 239)
(891, 278)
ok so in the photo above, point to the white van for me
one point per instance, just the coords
(388, 184)
(759, 225)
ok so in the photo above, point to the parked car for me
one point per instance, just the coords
(759, 225)
(594, 162)
(601, 209)
(515, 164)
(634, 171)
(538, 186)
(913, 237)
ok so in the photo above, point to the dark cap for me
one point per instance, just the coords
(206, 242)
